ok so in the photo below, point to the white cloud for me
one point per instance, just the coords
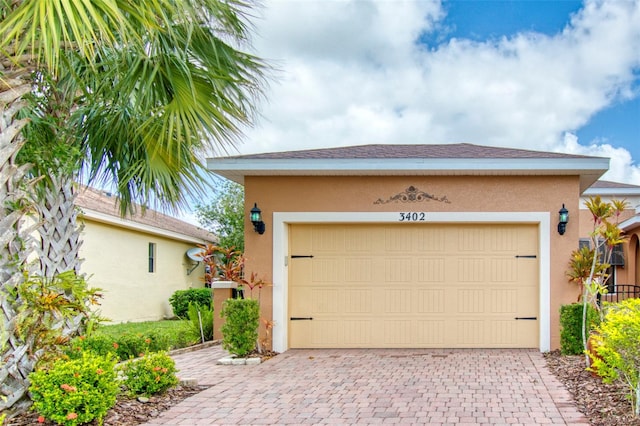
(353, 73)
(621, 168)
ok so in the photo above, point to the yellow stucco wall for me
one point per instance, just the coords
(465, 193)
(116, 260)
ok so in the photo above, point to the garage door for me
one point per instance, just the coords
(413, 285)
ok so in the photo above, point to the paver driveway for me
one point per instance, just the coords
(372, 386)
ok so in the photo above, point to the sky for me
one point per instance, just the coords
(550, 75)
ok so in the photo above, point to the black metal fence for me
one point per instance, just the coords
(622, 292)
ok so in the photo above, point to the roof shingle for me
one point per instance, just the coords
(103, 202)
(461, 150)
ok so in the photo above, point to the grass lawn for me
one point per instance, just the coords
(173, 327)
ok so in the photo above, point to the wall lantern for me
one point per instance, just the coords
(256, 219)
(562, 220)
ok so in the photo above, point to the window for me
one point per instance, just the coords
(152, 257)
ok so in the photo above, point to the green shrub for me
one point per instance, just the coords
(240, 330)
(154, 373)
(77, 391)
(129, 345)
(205, 318)
(618, 348)
(571, 327)
(98, 345)
(181, 298)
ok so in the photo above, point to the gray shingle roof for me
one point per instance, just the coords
(605, 184)
(457, 151)
(103, 202)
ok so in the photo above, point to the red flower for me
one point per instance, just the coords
(115, 345)
(99, 371)
(68, 388)
(40, 419)
(72, 416)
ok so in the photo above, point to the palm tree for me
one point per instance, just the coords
(147, 89)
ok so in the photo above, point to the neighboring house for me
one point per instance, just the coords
(138, 261)
(434, 246)
(625, 272)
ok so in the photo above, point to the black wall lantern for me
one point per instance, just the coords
(562, 220)
(256, 219)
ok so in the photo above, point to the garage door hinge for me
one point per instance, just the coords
(526, 318)
(526, 256)
(299, 256)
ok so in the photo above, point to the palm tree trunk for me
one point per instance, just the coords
(59, 232)
(15, 237)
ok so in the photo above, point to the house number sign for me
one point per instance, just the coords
(412, 217)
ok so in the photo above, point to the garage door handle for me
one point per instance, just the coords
(300, 318)
(527, 318)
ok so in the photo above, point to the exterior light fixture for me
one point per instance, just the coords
(562, 220)
(256, 219)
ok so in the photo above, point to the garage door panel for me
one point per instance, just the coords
(397, 301)
(430, 333)
(357, 301)
(327, 270)
(414, 286)
(504, 333)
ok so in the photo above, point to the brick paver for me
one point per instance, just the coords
(375, 386)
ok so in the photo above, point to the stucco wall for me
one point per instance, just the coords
(116, 260)
(628, 274)
(464, 193)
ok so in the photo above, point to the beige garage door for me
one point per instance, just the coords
(413, 285)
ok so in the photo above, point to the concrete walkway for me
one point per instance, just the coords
(375, 386)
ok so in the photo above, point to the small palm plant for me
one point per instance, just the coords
(589, 265)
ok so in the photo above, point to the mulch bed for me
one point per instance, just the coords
(603, 404)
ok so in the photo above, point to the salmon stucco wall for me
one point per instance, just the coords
(116, 260)
(475, 194)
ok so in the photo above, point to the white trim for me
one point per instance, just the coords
(136, 226)
(556, 166)
(281, 220)
(630, 223)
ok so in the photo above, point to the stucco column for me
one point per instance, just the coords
(219, 296)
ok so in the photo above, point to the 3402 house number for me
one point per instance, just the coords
(413, 217)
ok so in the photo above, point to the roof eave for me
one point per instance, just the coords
(589, 169)
(141, 227)
(631, 223)
(613, 192)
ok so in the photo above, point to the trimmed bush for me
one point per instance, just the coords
(240, 330)
(154, 373)
(571, 327)
(77, 391)
(180, 300)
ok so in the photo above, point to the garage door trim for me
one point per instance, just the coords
(281, 220)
